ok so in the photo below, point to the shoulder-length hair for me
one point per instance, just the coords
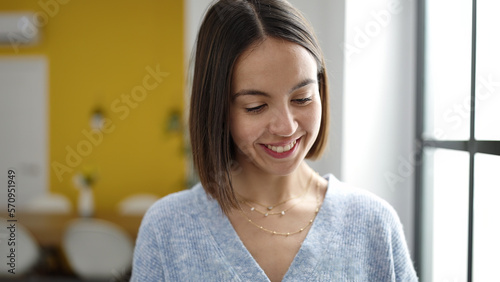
(228, 29)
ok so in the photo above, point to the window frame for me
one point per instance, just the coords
(472, 146)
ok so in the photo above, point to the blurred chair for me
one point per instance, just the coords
(136, 204)
(27, 251)
(49, 203)
(97, 249)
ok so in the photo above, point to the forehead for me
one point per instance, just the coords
(273, 65)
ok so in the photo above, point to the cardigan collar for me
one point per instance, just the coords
(239, 258)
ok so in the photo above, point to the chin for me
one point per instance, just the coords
(282, 168)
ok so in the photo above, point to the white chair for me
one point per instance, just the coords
(97, 249)
(136, 204)
(27, 251)
(49, 203)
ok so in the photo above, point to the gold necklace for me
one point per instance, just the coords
(271, 207)
(282, 212)
(267, 213)
(318, 201)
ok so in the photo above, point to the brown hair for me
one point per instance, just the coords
(228, 29)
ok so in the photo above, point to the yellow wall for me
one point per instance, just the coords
(97, 52)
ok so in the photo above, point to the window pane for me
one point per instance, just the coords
(488, 71)
(448, 69)
(445, 216)
(486, 213)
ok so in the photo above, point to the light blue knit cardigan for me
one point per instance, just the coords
(355, 237)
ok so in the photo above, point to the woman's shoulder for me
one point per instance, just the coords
(176, 205)
(358, 202)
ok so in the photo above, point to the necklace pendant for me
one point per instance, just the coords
(252, 208)
(270, 208)
(266, 214)
(282, 212)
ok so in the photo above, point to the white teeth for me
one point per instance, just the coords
(281, 149)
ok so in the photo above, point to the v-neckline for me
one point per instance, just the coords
(245, 265)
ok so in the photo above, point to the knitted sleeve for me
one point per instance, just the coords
(147, 262)
(403, 265)
(373, 233)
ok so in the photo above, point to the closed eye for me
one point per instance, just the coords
(303, 101)
(255, 109)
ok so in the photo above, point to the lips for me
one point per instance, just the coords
(281, 149)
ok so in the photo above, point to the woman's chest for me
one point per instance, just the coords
(273, 253)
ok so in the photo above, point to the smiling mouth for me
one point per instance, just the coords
(281, 149)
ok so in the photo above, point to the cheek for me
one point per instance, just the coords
(313, 119)
(244, 131)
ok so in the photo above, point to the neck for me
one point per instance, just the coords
(269, 189)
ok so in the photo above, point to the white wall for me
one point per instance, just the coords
(379, 102)
(23, 127)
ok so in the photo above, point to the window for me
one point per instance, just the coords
(458, 133)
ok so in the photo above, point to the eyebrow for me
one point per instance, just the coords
(303, 83)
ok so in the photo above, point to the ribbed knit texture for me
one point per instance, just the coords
(356, 236)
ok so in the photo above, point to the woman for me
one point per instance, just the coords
(259, 107)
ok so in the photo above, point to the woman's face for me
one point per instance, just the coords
(275, 109)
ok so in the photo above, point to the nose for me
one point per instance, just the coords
(282, 122)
